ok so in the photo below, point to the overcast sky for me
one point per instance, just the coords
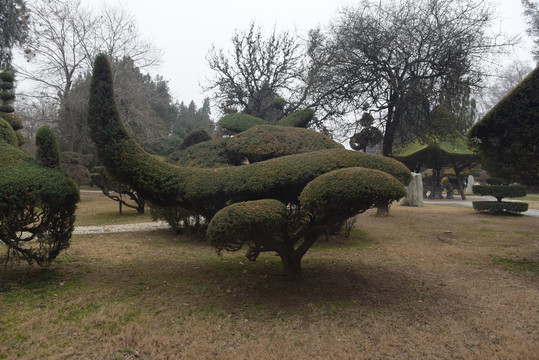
(185, 30)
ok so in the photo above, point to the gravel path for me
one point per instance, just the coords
(107, 229)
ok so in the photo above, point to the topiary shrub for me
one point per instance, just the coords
(7, 134)
(37, 202)
(195, 137)
(500, 192)
(47, 150)
(237, 123)
(265, 142)
(255, 193)
(299, 118)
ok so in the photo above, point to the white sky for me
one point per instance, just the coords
(185, 30)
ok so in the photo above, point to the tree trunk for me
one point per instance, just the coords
(292, 267)
(292, 264)
(383, 210)
(460, 185)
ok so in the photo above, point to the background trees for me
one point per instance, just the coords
(400, 58)
(64, 36)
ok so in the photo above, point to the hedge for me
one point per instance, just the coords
(498, 207)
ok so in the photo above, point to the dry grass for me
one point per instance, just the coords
(96, 209)
(425, 283)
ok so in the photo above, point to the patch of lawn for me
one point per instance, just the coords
(518, 265)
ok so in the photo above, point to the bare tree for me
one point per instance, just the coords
(398, 58)
(257, 70)
(63, 40)
(508, 79)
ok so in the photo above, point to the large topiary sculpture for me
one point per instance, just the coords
(37, 199)
(281, 205)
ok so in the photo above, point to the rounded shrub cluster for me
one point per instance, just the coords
(37, 202)
(351, 191)
(257, 204)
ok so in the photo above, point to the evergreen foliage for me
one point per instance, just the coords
(239, 122)
(259, 186)
(195, 137)
(37, 203)
(300, 118)
(47, 148)
(500, 192)
(506, 137)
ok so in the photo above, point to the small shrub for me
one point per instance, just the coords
(47, 150)
(7, 134)
(195, 137)
(299, 118)
(240, 122)
(498, 207)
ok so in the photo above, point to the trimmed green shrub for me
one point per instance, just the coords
(7, 96)
(506, 137)
(13, 120)
(499, 207)
(256, 222)
(37, 205)
(240, 122)
(299, 119)
(259, 186)
(7, 76)
(47, 149)
(195, 137)
(7, 134)
(6, 109)
(500, 191)
(265, 142)
(350, 191)
(279, 103)
(208, 154)
(6, 85)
